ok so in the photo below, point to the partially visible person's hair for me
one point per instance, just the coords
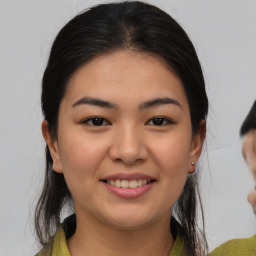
(249, 123)
(106, 28)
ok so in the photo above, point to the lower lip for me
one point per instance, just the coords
(129, 192)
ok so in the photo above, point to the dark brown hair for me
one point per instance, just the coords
(249, 124)
(112, 27)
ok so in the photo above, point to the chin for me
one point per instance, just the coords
(129, 221)
(129, 225)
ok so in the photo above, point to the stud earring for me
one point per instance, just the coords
(194, 168)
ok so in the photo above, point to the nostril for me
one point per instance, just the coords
(128, 150)
(128, 160)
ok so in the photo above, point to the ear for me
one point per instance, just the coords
(53, 147)
(196, 146)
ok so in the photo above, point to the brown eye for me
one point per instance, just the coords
(96, 121)
(159, 121)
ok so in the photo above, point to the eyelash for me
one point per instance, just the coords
(162, 121)
(99, 119)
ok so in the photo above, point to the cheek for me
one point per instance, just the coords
(173, 155)
(81, 155)
(172, 161)
(81, 158)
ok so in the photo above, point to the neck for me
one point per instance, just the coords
(94, 238)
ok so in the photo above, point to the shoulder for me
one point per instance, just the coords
(59, 245)
(178, 247)
(239, 247)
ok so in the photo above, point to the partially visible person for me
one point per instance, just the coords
(245, 246)
(248, 132)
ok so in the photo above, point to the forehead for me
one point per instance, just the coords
(125, 74)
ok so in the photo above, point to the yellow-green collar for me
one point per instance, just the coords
(60, 247)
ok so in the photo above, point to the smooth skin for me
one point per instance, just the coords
(124, 112)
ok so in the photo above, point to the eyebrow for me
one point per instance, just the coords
(95, 102)
(159, 101)
(110, 105)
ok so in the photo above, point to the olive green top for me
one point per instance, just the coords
(237, 247)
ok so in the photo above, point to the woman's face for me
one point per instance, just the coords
(125, 142)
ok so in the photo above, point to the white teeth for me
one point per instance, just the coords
(127, 183)
(133, 184)
(124, 183)
(118, 183)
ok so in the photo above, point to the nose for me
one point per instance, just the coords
(128, 146)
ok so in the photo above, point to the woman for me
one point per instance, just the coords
(124, 102)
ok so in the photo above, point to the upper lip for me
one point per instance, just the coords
(129, 176)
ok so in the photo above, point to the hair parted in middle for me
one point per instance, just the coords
(106, 28)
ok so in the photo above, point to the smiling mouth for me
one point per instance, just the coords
(132, 184)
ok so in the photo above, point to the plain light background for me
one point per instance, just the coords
(224, 35)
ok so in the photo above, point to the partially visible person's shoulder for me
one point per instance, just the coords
(237, 247)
